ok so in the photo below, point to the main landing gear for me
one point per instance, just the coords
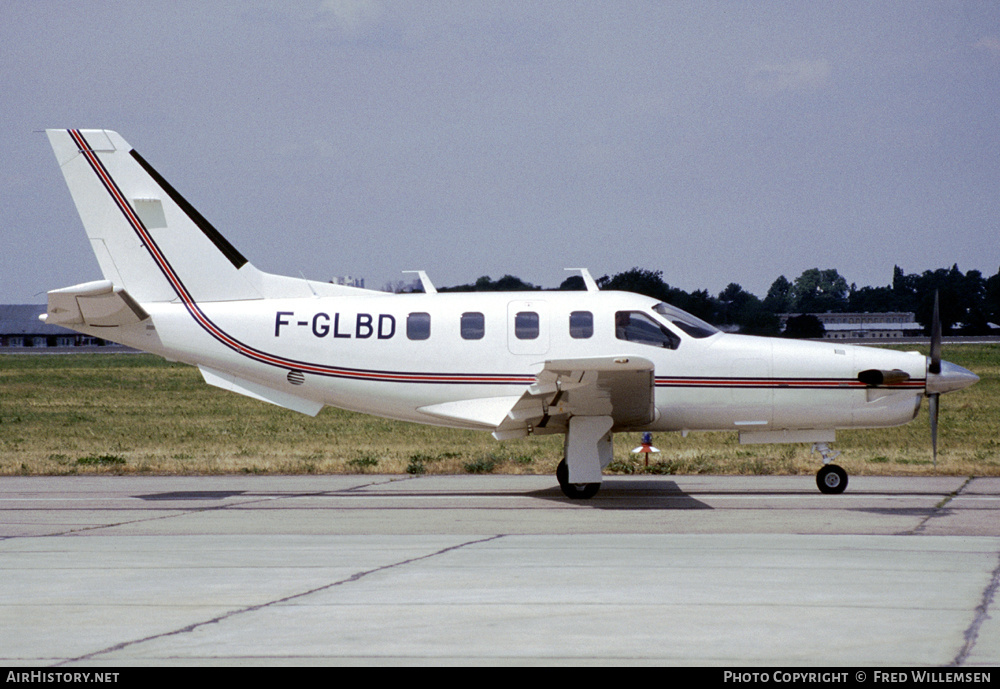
(831, 478)
(586, 451)
(574, 491)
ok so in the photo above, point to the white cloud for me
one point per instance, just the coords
(990, 44)
(797, 75)
(353, 17)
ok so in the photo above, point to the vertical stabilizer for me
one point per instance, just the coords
(148, 239)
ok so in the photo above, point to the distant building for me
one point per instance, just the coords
(875, 326)
(349, 281)
(20, 327)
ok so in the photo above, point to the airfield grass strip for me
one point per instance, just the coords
(136, 413)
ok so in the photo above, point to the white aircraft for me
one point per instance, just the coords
(586, 364)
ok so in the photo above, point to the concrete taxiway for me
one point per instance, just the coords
(735, 571)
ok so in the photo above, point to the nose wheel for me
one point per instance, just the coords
(831, 479)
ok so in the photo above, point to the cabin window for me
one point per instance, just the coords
(418, 326)
(473, 326)
(526, 325)
(635, 326)
(581, 324)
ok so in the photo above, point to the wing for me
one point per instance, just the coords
(619, 387)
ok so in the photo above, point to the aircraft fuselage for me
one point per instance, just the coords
(392, 355)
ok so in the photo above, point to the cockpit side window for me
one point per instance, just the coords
(636, 326)
(693, 326)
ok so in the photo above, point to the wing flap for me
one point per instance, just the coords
(619, 387)
(484, 412)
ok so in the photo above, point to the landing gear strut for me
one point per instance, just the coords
(587, 450)
(831, 478)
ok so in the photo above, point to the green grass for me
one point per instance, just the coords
(136, 413)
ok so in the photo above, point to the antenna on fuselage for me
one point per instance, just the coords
(587, 279)
(425, 281)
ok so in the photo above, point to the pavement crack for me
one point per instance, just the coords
(253, 608)
(180, 512)
(939, 508)
(982, 613)
(378, 482)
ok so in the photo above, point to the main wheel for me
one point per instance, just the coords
(574, 491)
(831, 479)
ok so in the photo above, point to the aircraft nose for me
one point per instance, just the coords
(952, 377)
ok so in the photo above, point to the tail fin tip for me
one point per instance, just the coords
(148, 238)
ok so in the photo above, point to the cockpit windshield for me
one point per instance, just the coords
(695, 327)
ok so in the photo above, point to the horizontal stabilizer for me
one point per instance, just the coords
(98, 304)
(260, 392)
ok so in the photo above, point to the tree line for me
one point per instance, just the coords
(969, 302)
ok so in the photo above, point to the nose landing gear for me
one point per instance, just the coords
(831, 478)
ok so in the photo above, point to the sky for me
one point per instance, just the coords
(717, 142)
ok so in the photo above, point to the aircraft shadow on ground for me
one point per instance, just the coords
(192, 495)
(614, 495)
(631, 495)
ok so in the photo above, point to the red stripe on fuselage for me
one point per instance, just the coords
(779, 383)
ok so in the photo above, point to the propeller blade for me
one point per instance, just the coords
(934, 367)
(934, 399)
(935, 364)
